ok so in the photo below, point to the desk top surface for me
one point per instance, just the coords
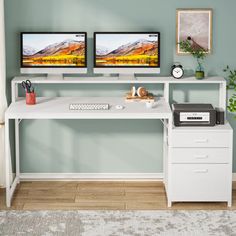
(58, 108)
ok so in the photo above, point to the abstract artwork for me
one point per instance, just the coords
(194, 23)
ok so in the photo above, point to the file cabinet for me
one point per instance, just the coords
(200, 164)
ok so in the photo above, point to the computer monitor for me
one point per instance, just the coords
(127, 52)
(54, 53)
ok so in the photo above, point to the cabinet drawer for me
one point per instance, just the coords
(200, 139)
(200, 155)
(201, 182)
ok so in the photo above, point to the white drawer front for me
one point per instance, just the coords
(201, 182)
(200, 139)
(200, 155)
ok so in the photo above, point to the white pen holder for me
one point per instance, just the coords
(149, 104)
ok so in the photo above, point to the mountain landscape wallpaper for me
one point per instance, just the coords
(59, 50)
(126, 50)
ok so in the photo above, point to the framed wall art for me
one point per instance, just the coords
(194, 23)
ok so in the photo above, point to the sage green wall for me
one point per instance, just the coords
(118, 145)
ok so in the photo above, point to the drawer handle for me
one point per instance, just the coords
(201, 140)
(201, 171)
(201, 156)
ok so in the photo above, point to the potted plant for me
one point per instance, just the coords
(198, 52)
(231, 86)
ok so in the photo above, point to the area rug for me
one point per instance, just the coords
(118, 223)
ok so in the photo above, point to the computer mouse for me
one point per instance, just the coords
(119, 107)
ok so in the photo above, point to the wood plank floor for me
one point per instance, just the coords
(102, 195)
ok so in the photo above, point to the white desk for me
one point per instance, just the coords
(58, 108)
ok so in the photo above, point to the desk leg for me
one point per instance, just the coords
(169, 203)
(7, 163)
(165, 153)
(10, 185)
(169, 170)
(17, 149)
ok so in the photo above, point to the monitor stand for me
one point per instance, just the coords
(109, 76)
(127, 77)
(55, 77)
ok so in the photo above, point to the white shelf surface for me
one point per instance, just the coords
(58, 108)
(187, 80)
(218, 128)
(116, 80)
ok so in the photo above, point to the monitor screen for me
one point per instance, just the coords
(127, 50)
(53, 50)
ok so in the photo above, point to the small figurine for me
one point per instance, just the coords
(140, 93)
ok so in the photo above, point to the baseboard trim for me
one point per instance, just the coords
(94, 176)
(234, 176)
(91, 176)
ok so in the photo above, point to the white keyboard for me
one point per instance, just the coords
(89, 106)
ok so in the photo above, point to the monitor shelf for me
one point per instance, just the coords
(116, 80)
(165, 81)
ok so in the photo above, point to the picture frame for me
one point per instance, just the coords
(196, 23)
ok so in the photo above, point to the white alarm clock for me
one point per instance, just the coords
(177, 71)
